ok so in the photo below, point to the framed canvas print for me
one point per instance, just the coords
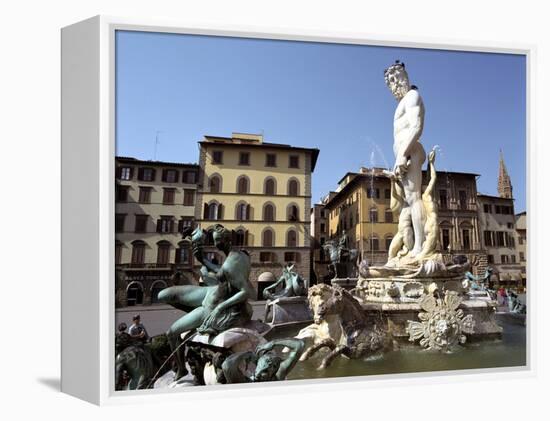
(246, 210)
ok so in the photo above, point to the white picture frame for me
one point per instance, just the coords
(88, 153)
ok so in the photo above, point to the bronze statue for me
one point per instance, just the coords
(265, 363)
(293, 285)
(220, 305)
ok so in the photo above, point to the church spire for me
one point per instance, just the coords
(504, 183)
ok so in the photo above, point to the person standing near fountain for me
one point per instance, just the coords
(409, 153)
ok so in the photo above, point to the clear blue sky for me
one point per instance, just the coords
(329, 96)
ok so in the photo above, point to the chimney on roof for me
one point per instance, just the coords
(247, 138)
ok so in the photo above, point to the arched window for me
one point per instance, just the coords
(293, 187)
(213, 211)
(163, 254)
(291, 238)
(157, 287)
(374, 244)
(242, 185)
(269, 212)
(138, 253)
(268, 238)
(293, 213)
(215, 184)
(388, 216)
(373, 215)
(209, 237)
(242, 212)
(269, 187)
(239, 238)
(134, 294)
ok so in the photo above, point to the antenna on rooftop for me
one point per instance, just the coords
(157, 137)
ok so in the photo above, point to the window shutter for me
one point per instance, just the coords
(246, 237)
(154, 172)
(159, 226)
(177, 176)
(131, 173)
(220, 211)
(140, 174)
(178, 255)
(205, 216)
(247, 212)
(180, 225)
(171, 225)
(164, 175)
(118, 172)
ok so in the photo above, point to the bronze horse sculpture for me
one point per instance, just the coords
(340, 256)
(341, 325)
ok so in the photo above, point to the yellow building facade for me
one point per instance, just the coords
(262, 192)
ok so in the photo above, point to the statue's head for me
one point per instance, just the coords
(397, 79)
(222, 237)
(324, 300)
(267, 367)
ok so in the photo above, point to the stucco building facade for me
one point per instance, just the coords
(154, 202)
(262, 192)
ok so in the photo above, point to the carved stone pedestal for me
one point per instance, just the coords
(286, 310)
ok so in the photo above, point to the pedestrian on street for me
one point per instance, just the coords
(137, 330)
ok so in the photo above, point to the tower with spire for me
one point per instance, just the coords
(504, 182)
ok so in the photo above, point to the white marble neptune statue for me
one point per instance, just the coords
(406, 176)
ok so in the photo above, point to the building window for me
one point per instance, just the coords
(446, 238)
(522, 256)
(490, 259)
(387, 193)
(293, 161)
(240, 237)
(270, 160)
(184, 223)
(269, 187)
(217, 157)
(267, 238)
(513, 257)
(215, 184)
(466, 239)
(293, 213)
(510, 225)
(500, 239)
(182, 253)
(291, 239)
(293, 188)
(268, 257)
(504, 258)
(497, 209)
(373, 193)
(388, 242)
(269, 213)
(122, 193)
(488, 238)
(243, 212)
(242, 185)
(373, 215)
(125, 173)
(170, 176)
(141, 223)
(443, 201)
(322, 213)
(213, 211)
(134, 294)
(462, 199)
(388, 216)
(244, 158)
(292, 256)
(190, 177)
(374, 244)
(163, 253)
(146, 174)
(188, 197)
(156, 288)
(165, 224)
(118, 252)
(322, 228)
(168, 196)
(145, 194)
(119, 222)
(138, 253)
(487, 208)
